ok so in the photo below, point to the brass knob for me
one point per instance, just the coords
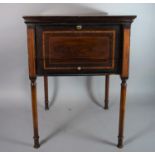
(79, 68)
(79, 27)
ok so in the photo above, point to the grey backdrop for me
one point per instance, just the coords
(71, 91)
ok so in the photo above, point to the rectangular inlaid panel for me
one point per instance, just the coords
(71, 49)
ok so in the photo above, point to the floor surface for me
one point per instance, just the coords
(78, 124)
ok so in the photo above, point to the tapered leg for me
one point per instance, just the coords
(122, 113)
(46, 92)
(35, 113)
(106, 91)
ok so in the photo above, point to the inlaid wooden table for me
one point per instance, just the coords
(73, 45)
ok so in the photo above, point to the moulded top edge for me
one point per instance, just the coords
(61, 19)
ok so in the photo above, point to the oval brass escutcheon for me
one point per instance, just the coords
(79, 27)
(79, 68)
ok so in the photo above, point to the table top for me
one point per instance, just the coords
(97, 19)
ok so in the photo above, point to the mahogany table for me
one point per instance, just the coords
(78, 45)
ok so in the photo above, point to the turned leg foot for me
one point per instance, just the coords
(122, 113)
(46, 107)
(120, 142)
(36, 142)
(106, 92)
(46, 92)
(34, 112)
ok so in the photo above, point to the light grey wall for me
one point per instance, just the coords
(14, 82)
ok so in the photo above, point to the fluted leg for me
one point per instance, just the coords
(122, 113)
(106, 91)
(46, 92)
(35, 113)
